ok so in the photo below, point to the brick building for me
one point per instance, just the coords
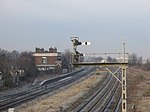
(48, 61)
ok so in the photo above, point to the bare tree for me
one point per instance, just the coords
(26, 62)
(110, 59)
(5, 62)
(140, 62)
(5, 66)
(133, 59)
(10, 62)
(66, 59)
(146, 66)
(14, 57)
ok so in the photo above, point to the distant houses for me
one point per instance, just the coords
(48, 61)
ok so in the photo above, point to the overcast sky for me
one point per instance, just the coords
(26, 24)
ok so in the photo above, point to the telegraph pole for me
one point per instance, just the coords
(124, 84)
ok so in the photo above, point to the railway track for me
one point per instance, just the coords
(115, 103)
(101, 100)
(14, 99)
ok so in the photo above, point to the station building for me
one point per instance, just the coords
(48, 61)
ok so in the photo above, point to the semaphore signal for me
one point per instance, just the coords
(121, 66)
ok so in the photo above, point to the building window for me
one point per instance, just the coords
(44, 60)
(58, 58)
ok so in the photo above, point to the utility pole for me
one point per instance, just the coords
(124, 84)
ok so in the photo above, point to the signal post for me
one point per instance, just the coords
(121, 66)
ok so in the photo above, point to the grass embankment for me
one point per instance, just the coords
(138, 88)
